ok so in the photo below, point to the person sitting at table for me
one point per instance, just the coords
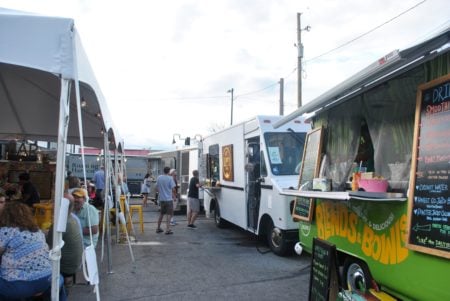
(91, 191)
(88, 215)
(30, 195)
(25, 268)
(72, 251)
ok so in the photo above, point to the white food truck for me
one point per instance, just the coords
(247, 166)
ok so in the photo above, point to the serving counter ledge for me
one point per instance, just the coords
(347, 195)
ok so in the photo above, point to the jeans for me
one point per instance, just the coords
(12, 290)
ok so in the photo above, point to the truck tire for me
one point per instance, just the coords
(219, 221)
(357, 275)
(276, 239)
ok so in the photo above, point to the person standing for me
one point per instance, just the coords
(30, 195)
(145, 190)
(166, 190)
(193, 200)
(25, 268)
(99, 180)
(88, 216)
(173, 173)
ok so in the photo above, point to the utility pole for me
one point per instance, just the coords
(281, 96)
(299, 61)
(232, 99)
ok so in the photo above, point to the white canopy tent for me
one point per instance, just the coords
(48, 92)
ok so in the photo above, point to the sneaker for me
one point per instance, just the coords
(173, 223)
(192, 226)
(159, 230)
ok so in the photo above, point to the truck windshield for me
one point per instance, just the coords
(285, 151)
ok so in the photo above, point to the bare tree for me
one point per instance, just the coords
(216, 127)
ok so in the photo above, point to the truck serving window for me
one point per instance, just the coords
(284, 151)
(214, 163)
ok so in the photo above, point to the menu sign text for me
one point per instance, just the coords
(429, 208)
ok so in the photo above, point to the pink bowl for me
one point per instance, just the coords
(373, 185)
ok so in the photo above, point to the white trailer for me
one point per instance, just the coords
(247, 166)
(136, 167)
(184, 161)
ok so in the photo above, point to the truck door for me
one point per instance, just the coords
(252, 169)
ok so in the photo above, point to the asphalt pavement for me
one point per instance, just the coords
(205, 263)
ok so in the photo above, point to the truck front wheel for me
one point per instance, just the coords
(276, 238)
(356, 275)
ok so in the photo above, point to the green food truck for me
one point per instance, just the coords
(375, 177)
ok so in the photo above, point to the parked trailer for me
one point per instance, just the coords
(247, 166)
(393, 119)
(136, 168)
(184, 161)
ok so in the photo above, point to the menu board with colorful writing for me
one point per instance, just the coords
(323, 270)
(429, 207)
(303, 208)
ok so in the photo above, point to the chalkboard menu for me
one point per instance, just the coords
(303, 208)
(429, 207)
(323, 279)
(311, 157)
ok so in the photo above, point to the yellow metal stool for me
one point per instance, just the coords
(122, 209)
(43, 213)
(138, 209)
(129, 217)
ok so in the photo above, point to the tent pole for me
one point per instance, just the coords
(63, 125)
(106, 223)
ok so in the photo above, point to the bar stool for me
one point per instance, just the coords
(138, 210)
(112, 212)
(43, 213)
(133, 209)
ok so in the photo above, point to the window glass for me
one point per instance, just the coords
(285, 152)
(214, 163)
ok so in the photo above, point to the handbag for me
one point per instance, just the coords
(144, 188)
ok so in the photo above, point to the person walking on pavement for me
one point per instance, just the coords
(145, 189)
(193, 200)
(166, 189)
(173, 173)
(99, 180)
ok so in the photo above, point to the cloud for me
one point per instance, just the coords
(165, 67)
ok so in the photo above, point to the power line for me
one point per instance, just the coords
(306, 61)
(366, 33)
(257, 91)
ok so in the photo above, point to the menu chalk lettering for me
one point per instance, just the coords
(303, 209)
(429, 214)
(323, 270)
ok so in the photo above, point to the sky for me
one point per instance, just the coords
(165, 67)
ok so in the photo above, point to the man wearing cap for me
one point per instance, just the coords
(88, 216)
